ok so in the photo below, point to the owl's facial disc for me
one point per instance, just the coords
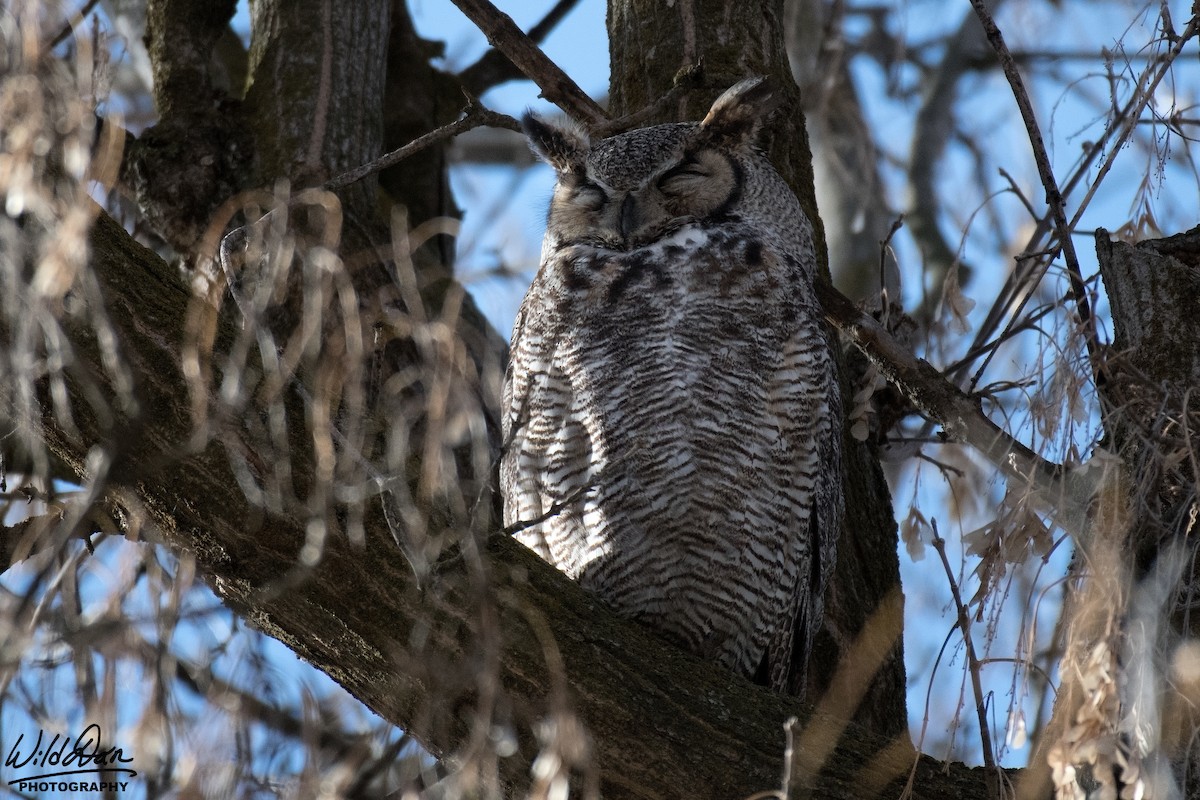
(690, 188)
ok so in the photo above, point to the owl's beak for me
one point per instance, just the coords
(629, 219)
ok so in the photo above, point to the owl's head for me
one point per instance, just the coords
(636, 188)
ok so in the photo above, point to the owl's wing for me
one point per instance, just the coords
(546, 464)
(820, 466)
(529, 357)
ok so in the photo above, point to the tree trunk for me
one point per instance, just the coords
(733, 41)
(1128, 609)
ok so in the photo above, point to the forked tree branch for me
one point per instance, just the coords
(508, 38)
(494, 67)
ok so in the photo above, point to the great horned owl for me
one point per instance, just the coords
(671, 419)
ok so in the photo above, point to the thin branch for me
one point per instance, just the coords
(1133, 114)
(1061, 493)
(964, 627)
(494, 67)
(556, 86)
(988, 348)
(1020, 284)
(1054, 198)
(920, 743)
(1025, 664)
(554, 510)
(474, 116)
(201, 680)
(1012, 185)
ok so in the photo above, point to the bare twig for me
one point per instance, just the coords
(202, 681)
(556, 86)
(69, 27)
(1059, 492)
(1012, 186)
(554, 510)
(1031, 266)
(920, 743)
(964, 627)
(1137, 104)
(1020, 284)
(1054, 198)
(685, 80)
(474, 116)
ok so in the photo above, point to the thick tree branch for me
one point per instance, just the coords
(556, 85)
(494, 67)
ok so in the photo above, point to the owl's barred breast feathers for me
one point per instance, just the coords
(671, 390)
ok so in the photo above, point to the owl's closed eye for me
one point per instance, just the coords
(623, 193)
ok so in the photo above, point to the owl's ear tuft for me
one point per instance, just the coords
(563, 147)
(738, 114)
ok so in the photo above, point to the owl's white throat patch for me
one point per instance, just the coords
(690, 236)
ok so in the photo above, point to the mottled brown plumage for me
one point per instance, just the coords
(670, 396)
